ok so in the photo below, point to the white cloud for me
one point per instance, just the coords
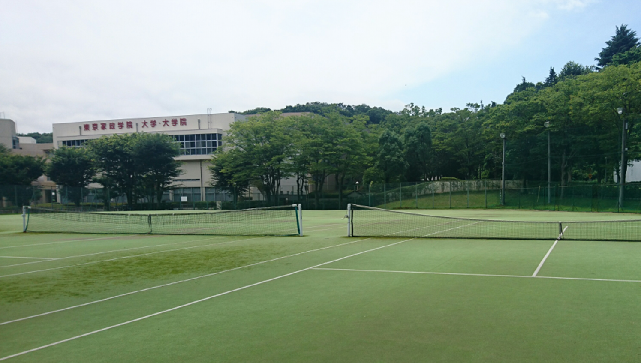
(70, 61)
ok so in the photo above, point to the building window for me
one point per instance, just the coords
(198, 144)
(74, 143)
(15, 143)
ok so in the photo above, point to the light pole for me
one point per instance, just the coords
(356, 186)
(547, 126)
(622, 170)
(503, 172)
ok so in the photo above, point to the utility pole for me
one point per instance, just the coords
(503, 172)
(624, 165)
(547, 126)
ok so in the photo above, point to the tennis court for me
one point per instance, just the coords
(322, 297)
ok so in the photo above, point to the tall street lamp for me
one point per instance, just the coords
(503, 172)
(547, 126)
(622, 170)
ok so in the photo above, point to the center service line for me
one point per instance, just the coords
(547, 254)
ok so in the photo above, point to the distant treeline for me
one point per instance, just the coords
(585, 108)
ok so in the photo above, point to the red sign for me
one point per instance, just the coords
(130, 124)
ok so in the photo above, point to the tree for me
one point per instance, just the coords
(417, 148)
(631, 56)
(116, 165)
(523, 85)
(352, 158)
(573, 69)
(71, 168)
(18, 169)
(263, 145)
(155, 154)
(390, 159)
(551, 79)
(227, 168)
(622, 41)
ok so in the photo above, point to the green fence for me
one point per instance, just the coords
(426, 195)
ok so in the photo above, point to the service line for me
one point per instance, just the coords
(478, 275)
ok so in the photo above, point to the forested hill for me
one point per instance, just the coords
(586, 108)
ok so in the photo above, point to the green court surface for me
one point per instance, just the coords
(323, 297)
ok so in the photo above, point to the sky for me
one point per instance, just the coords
(70, 61)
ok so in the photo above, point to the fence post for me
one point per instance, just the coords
(468, 194)
(485, 195)
(384, 194)
(400, 195)
(572, 199)
(432, 198)
(416, 193)
(450, 185)
(369, 194)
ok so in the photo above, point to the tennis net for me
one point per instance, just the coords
(271, 221)
(375, 222)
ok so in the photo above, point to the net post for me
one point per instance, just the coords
(349, 220)
(299, 218)
(560, 230)
(149, 222)
(24, 218)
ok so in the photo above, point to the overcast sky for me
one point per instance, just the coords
(68, 61)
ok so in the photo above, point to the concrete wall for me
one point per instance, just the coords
(7, 132)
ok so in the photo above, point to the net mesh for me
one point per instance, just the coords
(376, 222)
(275, 221)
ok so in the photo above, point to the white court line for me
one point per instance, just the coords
(198, 301)
(29, 258)
(549, 251)
(181, 281)
(75, 240)
(480, 275)
(125, 257)
(103, 252)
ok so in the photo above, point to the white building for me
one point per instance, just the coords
(199, 136)
(8, 136)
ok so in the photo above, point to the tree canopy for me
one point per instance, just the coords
(621, 42)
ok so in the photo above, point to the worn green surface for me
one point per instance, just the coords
(363, 308)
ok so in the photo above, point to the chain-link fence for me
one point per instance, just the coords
(426, 195)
